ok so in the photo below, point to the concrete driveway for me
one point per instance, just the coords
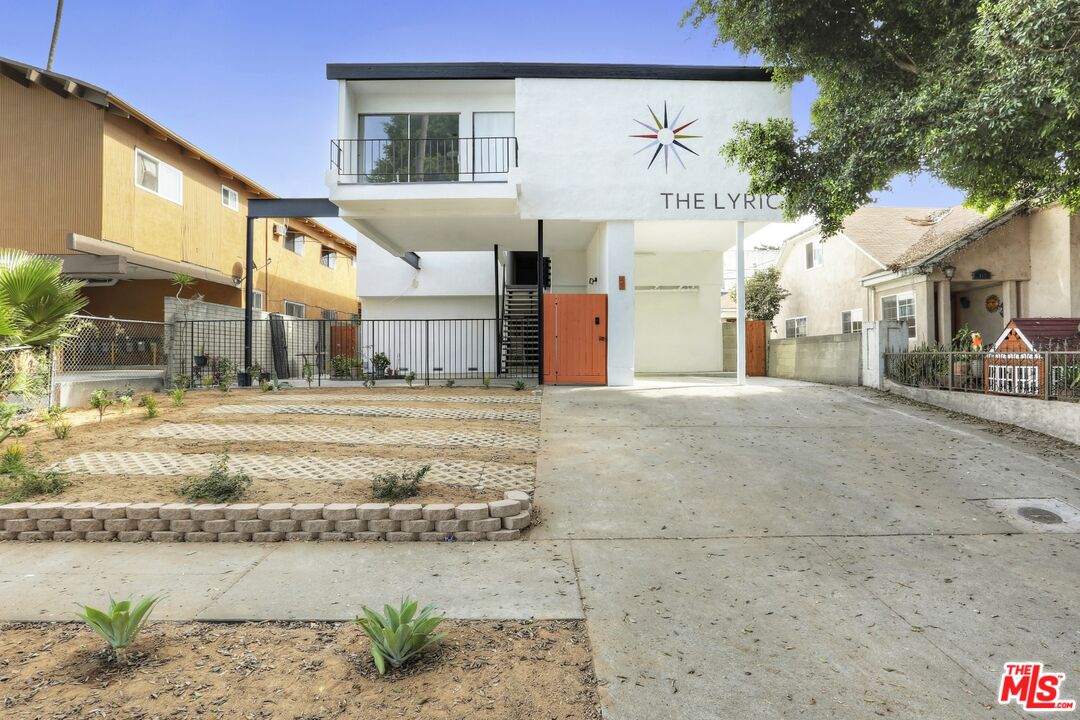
(786, 550)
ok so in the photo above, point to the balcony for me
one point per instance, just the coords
(423, 160)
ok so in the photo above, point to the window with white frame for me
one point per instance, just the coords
(795, 327)
(295, 309)
(328, 258)
(158, 177)
(900, 307)
(815, 254)
(851, 321)
(230, 198)
(257, 300)
(293, 242)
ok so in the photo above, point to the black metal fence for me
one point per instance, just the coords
(1049, 375)
(383, 160)
(207, 351)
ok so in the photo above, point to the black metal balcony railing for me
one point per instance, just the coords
(414, 160)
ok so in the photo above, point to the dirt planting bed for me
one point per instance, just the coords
(482, 670)
(191, 429)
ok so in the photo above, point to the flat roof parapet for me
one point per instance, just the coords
(511, 71)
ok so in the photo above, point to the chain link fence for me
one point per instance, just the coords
(106, 346)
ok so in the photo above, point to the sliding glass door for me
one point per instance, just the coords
(421, 147)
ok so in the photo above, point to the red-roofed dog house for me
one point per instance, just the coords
(1017, 363)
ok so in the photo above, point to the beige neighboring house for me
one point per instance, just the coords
(938, 269)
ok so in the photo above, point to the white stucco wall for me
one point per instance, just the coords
(579, 161)
(441, 274)
(679, 331)
(822, 293)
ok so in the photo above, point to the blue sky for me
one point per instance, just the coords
(246, 80)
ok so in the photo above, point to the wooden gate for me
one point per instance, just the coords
(343, 340)
(757, 332)
(575, 339)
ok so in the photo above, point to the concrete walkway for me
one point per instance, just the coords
(780, 550)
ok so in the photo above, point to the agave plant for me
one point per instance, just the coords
(399, 634)
(37, 299)
(121, 623)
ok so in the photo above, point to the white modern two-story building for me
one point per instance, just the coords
(582, 211)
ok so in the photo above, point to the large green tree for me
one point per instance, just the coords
(984, 95)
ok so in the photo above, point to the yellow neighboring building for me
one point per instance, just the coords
(125, 203)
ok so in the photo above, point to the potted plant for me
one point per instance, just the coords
(201, 359)
(379, 363)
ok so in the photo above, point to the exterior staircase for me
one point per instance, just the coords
(520, 342)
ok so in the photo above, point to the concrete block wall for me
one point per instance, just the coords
(268, 522)
(832, 359)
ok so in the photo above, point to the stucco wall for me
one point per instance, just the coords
(1054, 290)
(1057, 418)
(832, 359)
(678, 331)
(822, 293)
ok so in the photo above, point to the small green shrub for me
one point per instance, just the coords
(220, 485)
(208, 380)
(519, 385)
(21, 479)
(379, 363)
(149, 403)
(121, 623)
(487, 382)
(450, 382)
(125, 402)
(265, 385)
(182, 381)
(399, 634)
(410, 378)
(309, 373)
(10, 424)
(397, 486)
(57, 421)
(101, 400)
(177, 396)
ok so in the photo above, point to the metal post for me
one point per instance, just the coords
(1047, 375)
(740, 305)
(498, 318)
(951, 366)
(427, 352)
(249, 296)
(539, 302)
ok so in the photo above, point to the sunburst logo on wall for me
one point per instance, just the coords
(666, 137)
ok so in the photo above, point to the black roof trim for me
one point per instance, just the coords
(511, 71)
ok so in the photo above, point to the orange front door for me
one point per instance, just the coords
(575, 339)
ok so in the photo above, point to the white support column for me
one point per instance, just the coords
(618, 268)
(740, 305)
